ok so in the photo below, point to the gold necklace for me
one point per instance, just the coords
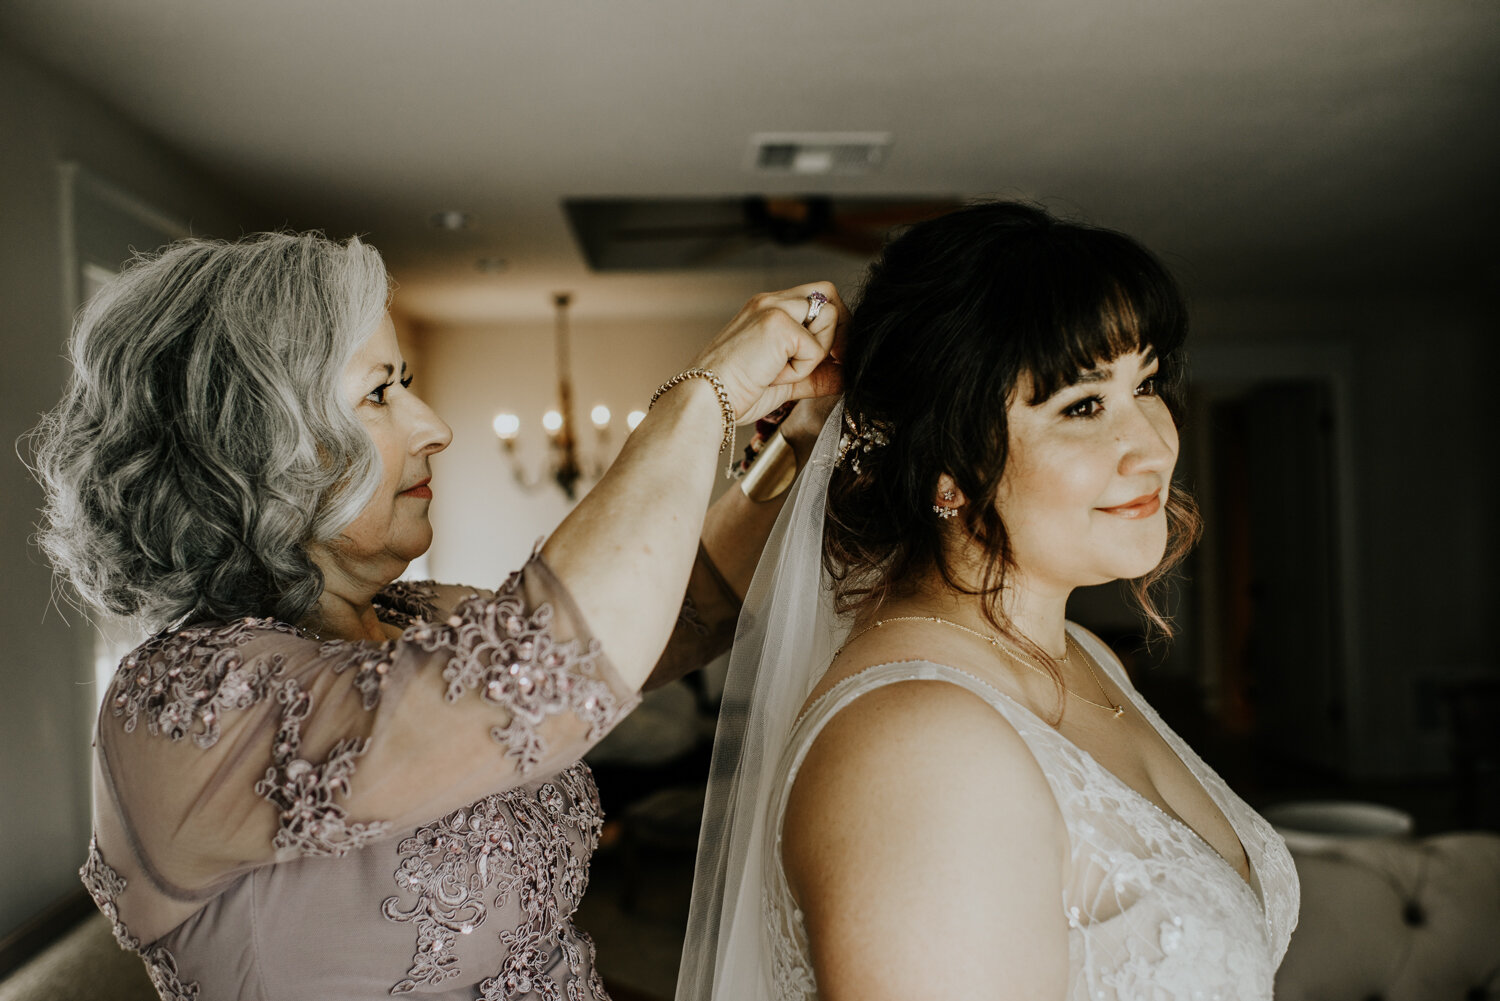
(1015, 655)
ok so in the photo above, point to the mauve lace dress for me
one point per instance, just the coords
(278, 818)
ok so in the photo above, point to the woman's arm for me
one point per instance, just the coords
(625, 551)
(924, 847)
(734, 534)
(736, 528)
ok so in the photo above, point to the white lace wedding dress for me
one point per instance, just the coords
(1153, 912)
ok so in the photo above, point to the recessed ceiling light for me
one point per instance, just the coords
(453, 220)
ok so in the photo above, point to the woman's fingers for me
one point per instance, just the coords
(809, 373)
(842, 316)
(806, 355)
(825, 380)
(797, 303)
(831, 318)
(822, 320)
(772, 350)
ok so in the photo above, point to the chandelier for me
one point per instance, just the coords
(566, 464)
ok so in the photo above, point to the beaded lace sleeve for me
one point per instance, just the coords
(230, 745)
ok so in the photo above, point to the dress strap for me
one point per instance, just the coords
(1103, 656)
(1033, 731)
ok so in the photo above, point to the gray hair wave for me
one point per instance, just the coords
(202, 441)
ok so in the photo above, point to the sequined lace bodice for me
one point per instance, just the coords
(1153, 911)
(278, 817)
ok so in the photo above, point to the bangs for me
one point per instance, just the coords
(1091, 301)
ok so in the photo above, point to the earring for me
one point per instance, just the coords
(945, 512)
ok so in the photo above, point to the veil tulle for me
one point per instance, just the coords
(788, 632)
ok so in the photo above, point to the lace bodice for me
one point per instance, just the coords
(279, 817)
(1153, 912)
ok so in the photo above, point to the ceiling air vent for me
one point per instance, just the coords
(818, 152)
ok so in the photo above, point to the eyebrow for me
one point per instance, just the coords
(390, 369)
(1093, 375)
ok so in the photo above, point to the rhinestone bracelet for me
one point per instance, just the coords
(725, 406)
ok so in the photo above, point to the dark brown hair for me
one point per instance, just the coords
(957, 314)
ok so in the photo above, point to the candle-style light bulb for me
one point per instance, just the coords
(507, 426)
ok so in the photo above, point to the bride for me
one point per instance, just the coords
(927, 783)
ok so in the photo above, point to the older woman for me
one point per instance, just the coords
(315, 782)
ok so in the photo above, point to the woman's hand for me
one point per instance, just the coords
(625, 552)
(765, 356)
(803, 425)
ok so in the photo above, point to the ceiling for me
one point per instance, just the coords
(1264, 147)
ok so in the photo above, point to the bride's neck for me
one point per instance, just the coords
(1036, 614)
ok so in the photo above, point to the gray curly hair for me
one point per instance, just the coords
(202, 441)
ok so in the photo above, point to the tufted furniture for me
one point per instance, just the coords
(84, 965)
(1395, 919)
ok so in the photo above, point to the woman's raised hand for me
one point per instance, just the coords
(771, 352)
(625, 552)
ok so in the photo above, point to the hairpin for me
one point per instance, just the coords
(857, 441)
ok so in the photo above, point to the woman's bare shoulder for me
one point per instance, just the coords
(934, 714)
(919, 800)
(914, 724)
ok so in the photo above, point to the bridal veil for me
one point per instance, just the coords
(788, 633)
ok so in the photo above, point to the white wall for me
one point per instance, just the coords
(45, 661)
(484, 523)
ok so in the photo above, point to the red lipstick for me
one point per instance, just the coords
(421, 490)
(1143, 506)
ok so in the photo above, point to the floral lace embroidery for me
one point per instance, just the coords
(579, 989)
(105, 885)
(1276, 872)
(513, 660)
(311, 823)
(403, 602)
(371, 663)
(183, 682)
(792, 977)
(512, 847)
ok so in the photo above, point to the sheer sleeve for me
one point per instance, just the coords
(229, 746)
(705, 625)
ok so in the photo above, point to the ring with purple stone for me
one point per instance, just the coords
(815, 302)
